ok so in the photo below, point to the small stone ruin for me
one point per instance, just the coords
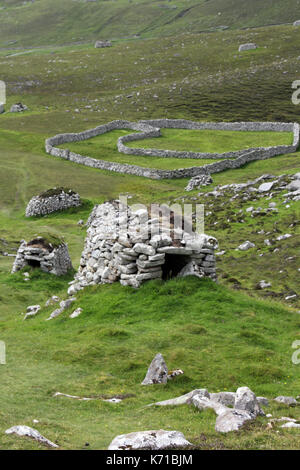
(198, 181)
(53, 200)
(247, 47)
(130, 247)
(100, 44)
(40, 253)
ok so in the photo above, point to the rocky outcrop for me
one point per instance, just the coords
(131, 247)
(40, 253)
(103, 43)
(150, 440)
(53, 200)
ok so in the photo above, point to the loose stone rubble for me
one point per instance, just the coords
(32, 311)
(64, 304)
(39, 253)
(130, 247)
(26, 431)
(53, 200)
(157, 372)
(197, 181)
(150, 440)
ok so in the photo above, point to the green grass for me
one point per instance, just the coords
(213, 141)
(220, 339)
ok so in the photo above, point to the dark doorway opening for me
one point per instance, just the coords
(173, 265)
(34, 263)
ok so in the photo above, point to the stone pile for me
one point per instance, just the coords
(56, 199)
(197, 181)
(39, 253)
(129, 247)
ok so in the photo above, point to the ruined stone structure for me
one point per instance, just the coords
(100, 44)
(130, 247)
(53, 200)
(39, 253)
(149, 129)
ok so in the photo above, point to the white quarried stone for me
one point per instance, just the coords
(25, 431)
(150, 440)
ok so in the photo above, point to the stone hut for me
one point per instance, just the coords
(51, 257)
(248, 47)
(130, 247)
(53, 200)
(103, 43)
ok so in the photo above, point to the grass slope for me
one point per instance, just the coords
(54, 22)
(220, 339)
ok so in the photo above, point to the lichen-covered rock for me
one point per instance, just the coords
(150, 440)
(289, 401)
(26, 431)
(157, 372)
(246, 400)
(232, 420)
(53, 200)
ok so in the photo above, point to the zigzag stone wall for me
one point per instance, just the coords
(151, 128)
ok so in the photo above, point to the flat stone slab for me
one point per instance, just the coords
(150, 440)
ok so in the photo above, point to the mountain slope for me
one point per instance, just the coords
(55, 22)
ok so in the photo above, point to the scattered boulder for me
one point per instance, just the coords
(290, 425)
(53, 200)
(203, 403)
(246, 246)
(18, 108)
(157, 372)
(290, 401)
(197, 181)
(232, 420)
(263, 285)
(150, 440)
(183, 399)
(262, 401)
(246, 400)
(247, 47)
(54, 300)
(296, 23)
(64, 304)
(265, 187)
(26, 431)
(225, 398)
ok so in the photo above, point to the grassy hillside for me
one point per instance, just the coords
(54, 22)
(220, 339)
(223, 336)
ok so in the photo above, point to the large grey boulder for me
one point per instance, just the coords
(247, 47)
(294, 185)
(232, 420)
(296, 23)
(101, 44)
(25, 431)
(204, 403)
(157, 372)
(150, 440)
(246, 246)
(246, 400)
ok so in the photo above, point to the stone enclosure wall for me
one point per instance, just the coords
(151, 128)
(140, 252)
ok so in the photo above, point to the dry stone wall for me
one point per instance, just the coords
(43, 204)
(131, 248)
(151, 128)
